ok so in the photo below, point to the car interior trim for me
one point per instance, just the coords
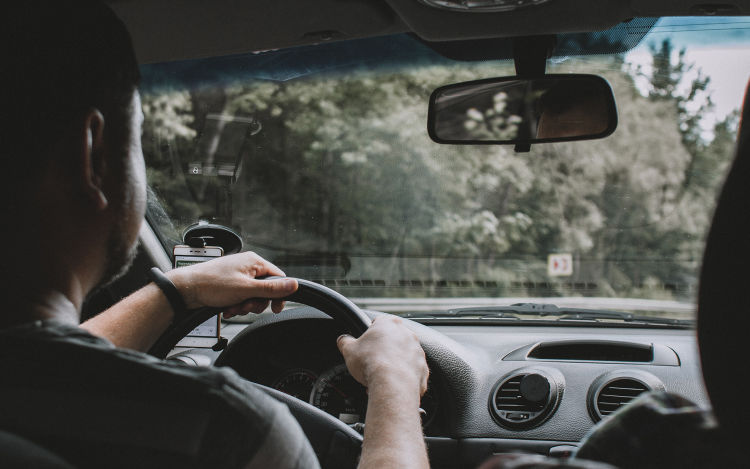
(153, 248)
(596, 351)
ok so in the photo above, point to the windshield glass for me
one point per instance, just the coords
(319, 158)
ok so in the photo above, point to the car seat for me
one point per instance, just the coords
(724, 296)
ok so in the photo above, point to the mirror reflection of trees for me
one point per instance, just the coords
(344, 166)
(496, 122)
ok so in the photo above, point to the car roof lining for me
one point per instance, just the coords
(408, 49)
(621, 38)
(168, 30)
(395, 50)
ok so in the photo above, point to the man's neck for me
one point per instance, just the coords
(50, 304)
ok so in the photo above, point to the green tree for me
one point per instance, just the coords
(342, 166)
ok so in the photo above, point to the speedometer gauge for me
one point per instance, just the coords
(337, 393)
(342, 396)
(298, 383)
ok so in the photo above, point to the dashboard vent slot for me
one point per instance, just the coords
(617, 393)
(605, 351)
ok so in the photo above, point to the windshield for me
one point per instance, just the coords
(319, 158)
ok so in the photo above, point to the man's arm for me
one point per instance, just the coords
(232, 282)
(388, 360)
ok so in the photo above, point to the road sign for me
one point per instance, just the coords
(559, 265)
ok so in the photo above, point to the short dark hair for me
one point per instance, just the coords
(60, 59)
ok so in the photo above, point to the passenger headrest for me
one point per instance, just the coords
(724, 294)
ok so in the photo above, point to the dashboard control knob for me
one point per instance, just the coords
(535, 387)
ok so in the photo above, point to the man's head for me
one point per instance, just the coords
(571, 109)
(70, 135)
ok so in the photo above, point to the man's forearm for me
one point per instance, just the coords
(136, 321)
(225, 282)
(393, 430)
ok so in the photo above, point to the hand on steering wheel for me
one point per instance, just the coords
(241, 281)
(334, 442)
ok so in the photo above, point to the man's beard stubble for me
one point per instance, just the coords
(120, 253)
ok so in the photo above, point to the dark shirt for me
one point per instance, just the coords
(100, 406)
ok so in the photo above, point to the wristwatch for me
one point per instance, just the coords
(170, 291)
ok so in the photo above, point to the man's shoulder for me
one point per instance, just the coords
(71, 354)
(75, 383)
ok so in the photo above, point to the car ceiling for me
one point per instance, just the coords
(167, 30)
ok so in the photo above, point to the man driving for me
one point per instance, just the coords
(74, 201)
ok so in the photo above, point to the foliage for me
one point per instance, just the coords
(340, 167)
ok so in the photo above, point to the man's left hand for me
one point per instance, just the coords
(232, 282)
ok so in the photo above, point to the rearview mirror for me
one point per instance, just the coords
(513, 110)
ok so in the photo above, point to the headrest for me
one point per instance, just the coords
(724, 293)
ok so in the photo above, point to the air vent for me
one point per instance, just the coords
(525, 398)
(618, 393)
(614, 390)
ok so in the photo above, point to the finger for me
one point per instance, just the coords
(425, 379)
(252, 305)
(263, 268)
(277, 306)
(344, 342)
(258, 306)
(236, 310)
(272, 288)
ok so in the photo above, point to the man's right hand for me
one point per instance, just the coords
(388, 360)
(387, 351)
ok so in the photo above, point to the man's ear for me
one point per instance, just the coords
(92, 161)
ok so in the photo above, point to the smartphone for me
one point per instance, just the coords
(208, 333)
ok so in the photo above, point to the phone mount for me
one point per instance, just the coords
(203, 234)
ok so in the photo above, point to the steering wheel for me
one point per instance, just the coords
(335, 443)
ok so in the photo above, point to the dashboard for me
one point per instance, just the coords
(492, 388)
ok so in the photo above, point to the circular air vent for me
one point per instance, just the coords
(614, 390)
(618, 393)
(525, 398)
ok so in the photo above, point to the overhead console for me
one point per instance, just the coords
(597, 351)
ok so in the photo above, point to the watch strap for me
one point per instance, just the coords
(170, 292)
